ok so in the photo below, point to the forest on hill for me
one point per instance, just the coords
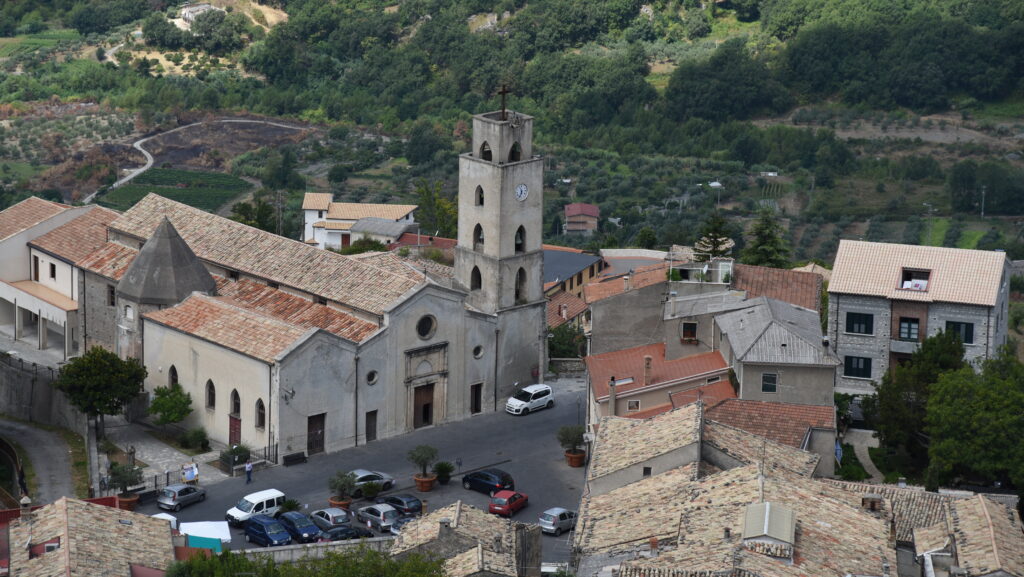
(637, 104)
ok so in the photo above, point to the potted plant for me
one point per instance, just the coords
(443, 470)
(571, 439)
(422, 456)
(288, 505)
(123, 477)
(342, 485)
(371, 490)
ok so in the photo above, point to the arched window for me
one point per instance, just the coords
(515, 154)
(520, 239)
(521, 286)
(236, 403)
(485, 151)
(478, 238)
(211, 395)
(479, 196)
(172, 376)
(261, 414)
(475, 282)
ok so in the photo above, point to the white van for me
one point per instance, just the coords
(265, 502)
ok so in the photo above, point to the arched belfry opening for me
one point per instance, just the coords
(516, 153)
(520, 240)
(478, 238)
(485, 151)
(521, 286)
(475, 281)
(479, 196)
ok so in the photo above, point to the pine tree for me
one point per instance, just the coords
(767, 247)
(714, 239)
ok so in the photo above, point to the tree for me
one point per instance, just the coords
(974, 422)
(360, 562)
(424, 142)
(171, 404)
(363, 245)
(647, 238)
(422, 456)
(902, 397)
(99, 383)
(258, 213)
(767, 247)
(338, 173)
(714, 239)
(566, 342)
(437, 214)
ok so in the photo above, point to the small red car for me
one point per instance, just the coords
(506, 503)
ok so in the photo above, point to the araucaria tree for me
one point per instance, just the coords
(767, 247)
(714, 239)
(99, 383)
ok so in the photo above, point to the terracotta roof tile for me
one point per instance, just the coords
(293, 309)
(750, 448)
(479, 560)
(26, 214)
(956, 275)
(988, 536)
(780, 422)
(110, 260)
(912, 507)
(795, 287)
(623, 442)
(413, 239)
(710, 395)
(358, 210)
(582, 208)
(333, 225)
(80, 237)
(251, 333)
(574, 307)
(629, 364)
(466, 520)
(561, 248)
(265, 255)
(931, 538)
(392, 263)
(616, 285)
(317, 201)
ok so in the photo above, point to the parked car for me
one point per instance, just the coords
(345, 533)
(174, 497)
(488, 481)
(405, 503)
(267, 531)
(556, 520)
(330, 518)
(299, 527)
(532, 398)
(397, 524)
(364, 476)
(506, 503)
(265, 502)
(379, 517)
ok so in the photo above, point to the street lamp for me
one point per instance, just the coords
(579, 406)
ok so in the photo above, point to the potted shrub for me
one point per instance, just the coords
(422, 456)
(443, 470)
(371, 490)
(342, 485)
(123, 477)
(571, 439)
(288, 505)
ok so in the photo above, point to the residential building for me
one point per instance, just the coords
(569, 270)
(800, 288)
(328, 224)
(380, 230)
(581, 218)
(884, 299)
(566, 308)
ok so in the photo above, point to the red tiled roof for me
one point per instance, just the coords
(358, 210)
(573, 304)
(110, 260)
(641, 277)
(629, 364)
(780, 422)
(582, 208)
(26, 214)
(413, 239)
(795, 287)
(561, 248)
(80, 237)
(711, 395)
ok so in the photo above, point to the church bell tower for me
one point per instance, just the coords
(499, 258)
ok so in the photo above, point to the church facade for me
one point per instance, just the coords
(282, 344)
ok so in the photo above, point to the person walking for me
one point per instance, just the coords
(248, 471)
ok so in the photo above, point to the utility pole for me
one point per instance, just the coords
(983, 201)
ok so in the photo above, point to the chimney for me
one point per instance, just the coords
(563, 311)
(901, 482)
(444, 528)
(824, 341)
(871, 501)
(647, 369)
(625, 281)
(611, 396)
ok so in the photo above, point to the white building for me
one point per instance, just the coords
(328, 224)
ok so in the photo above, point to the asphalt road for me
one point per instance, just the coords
(525, 446)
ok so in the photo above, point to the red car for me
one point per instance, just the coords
(506, 503)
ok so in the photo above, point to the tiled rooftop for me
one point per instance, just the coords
(776, 332)
(956, 275)
(466, 520)
(478, 559)
(582, 208)
(988, 536)
(26, 214)
(629, 364)
(750, 448)
(574, 306)
(331, 225)
(265, 255)
(622, 442)
(358, 210)
(392, 263)
(242, 330)
(932, 538)
(781, 422)
(95, 541)
(616, 285)
(413, 239)
(293, 309)
(80, 237)
(317, 201)
(110, 260)
(912, 507)
(795, 287)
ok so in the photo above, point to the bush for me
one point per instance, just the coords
(571, 437)
(195, 439)
(443, 470)
(371, 490)
(123, 477)
(422, 456)
(236, 455)
(342, 485)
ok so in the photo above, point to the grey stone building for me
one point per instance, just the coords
(884, 299)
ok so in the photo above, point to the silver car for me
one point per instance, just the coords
(174, 497)
(556, 520)
(364, 476)
(379, 516)
(330, 518)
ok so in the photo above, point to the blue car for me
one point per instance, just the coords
(266, 531)
(299, 526)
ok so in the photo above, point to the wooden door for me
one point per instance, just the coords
(234, 430)
(476, 398)
(315, 433)
(423, 406)
(371, 426)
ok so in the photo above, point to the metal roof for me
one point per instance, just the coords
(560, 265)
(381, 226)
(165, 271)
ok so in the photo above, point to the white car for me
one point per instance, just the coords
(529, 399)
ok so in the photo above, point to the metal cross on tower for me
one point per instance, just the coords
(504, 90)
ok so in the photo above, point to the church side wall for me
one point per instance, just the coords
(97, 318)
(522, 331)
(627, 320)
